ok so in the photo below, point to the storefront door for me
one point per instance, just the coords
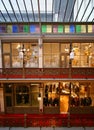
(64, 103)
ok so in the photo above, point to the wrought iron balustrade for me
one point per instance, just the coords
(84, 73)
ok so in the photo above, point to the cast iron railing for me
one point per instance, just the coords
(83, 73)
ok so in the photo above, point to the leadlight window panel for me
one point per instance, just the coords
(60, 28)
(6, 48)
(44, 28)
(67, 28)
(49, 28)
(90, 28)
(83, 28)
(9, 28)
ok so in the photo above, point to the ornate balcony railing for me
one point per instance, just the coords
(82, 73)
(48, 120)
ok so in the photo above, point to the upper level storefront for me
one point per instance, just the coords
(43, 51)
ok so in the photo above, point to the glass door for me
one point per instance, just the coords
(64, 103)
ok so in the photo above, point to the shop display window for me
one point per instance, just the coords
(29, 57)
(80, 94)
(27, 95)
(59, 94)
(22, 95)
(51, 55)
(55, 55)
(13, 55)
(83, 55)
(51, 95)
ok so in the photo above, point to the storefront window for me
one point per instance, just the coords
(51, 54)
(64, 51)
(51, 94)
(6, 48)
(22, 95)
(20, 54)
(81, 95)
(6, 60)
(25, 52)
(27, 95)
(58, 94)
(55, 94)
(83, 55)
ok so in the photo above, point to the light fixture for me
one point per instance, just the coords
(39, 97)
(72, 55)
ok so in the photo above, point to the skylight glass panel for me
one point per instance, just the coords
(46, 11)
(4, 9)
(16, 9)
(42, 6)
(23, 11)
(29, 9)
(35, 5)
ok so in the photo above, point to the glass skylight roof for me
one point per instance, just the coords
(46, 11)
